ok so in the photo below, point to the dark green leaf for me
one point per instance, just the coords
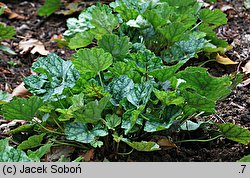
(103, 21)
(165, 73)
(120, 88)
(22, 109)
(9, 154)
(92, 60)
(32, 142)
(6, 32)
(174, 32)
(92, 111)
(81, 133)
(169, 97)
(55, 75)
(39, 153)
(235, 133)
(130, 118)
(49, 7)
(213, 88)
(112, 121)
(22, 128)
(140, 94)
(216, 17)
(117, 46)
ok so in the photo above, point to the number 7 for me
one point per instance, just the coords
(244, 166)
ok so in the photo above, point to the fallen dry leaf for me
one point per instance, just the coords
(33, 44)
(56, 152)
(21, 91)
(246, 68)
(224, 60)
(89, 155)
(12, 15)
(166, 143)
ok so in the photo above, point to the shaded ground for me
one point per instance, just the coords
(235, 108)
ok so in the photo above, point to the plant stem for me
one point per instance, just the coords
(196, 140)
(100, 78)
(202, 64)
(59, 133)
(124, 154)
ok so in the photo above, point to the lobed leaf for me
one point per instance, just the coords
(117, 46)
(80, 132)
(55, 75)
(92, 60)
(22, 108)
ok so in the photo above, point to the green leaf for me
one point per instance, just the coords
(180, 3)
(190, 125)
(216, 17)
(55, 75)
(22, 108)
(112, 121)
(174, 32)
(130, 118)
(117, 46)
(120, 88)
(104, 21)
(140, 94)
(4, 97)
(145, 61)
(9, 154)
(80, 40)
(143, 145)
(92, 60)
(235, 133)
(92, 111)
(154, 126)
(213, 88)
(22, 128)
(198, 102)
(2, 9)
(126, 13)
(49, 7)
(165, 73)
(79, 132)
(39, 153)
(245, 158)
(81, 24)
(7, 49)
(140, 5)
(32, 142)
(169, 97)
(6, 32)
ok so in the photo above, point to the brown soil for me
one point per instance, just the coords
(235, 108)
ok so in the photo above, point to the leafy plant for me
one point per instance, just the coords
(133, 81)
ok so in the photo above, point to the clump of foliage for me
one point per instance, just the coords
(6, 32)
(127, 79)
